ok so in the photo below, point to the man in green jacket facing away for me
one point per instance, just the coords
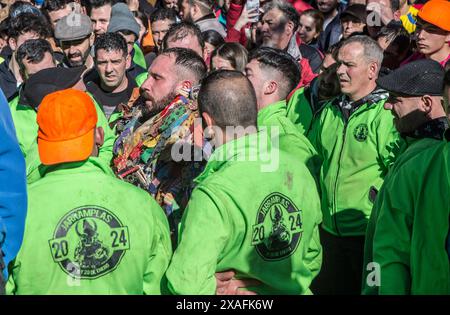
(255, 208)
(411, 240)
(274, 74)
(357, 141)
(100, 235)
(415, 99)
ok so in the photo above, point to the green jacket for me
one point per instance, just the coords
(356, 154)
(87, 232)
(299, 111)
(261, 222)
(413, 226)
(24, 118)
(138, 57)
(415, 146)
(275, 115)
(32, 160)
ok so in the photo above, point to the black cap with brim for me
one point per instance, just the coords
(422, 77)
(357, 11)
(48, 81)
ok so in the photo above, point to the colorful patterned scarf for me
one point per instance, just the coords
(143, 153)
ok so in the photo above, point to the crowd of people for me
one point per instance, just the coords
(215, 147)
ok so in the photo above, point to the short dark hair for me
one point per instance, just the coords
(111, 42)
(395, 5)
(33, 50)
(181, 30)
(277, 60)
(163, 14)
(235, 53)
(28, 22)
(188, 60)
(229, 98)
(289, 12)
(94, 4)
(54, 5)
(213, 37)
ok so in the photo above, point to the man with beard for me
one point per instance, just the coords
(278, 28)
(76, 40)
(200, 12)
(158, 134)
(415, 100)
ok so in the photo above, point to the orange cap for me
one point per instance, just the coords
(436, 12)
(67, 121)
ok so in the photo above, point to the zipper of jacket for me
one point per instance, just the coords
(344, 134)
(334, 212)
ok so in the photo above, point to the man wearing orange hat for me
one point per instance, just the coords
(90, 239)
(433, 31)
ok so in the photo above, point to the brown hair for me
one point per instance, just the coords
(235, 53)
(317, 16)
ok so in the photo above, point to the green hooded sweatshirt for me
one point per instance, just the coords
(32, 160)
(275, 115)
(87, 232)
(24, 118)
(356, 153)
(260, 221)
(411, 236)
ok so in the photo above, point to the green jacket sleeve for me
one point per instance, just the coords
(202, 240)
(160, 254)
(313, 257)
(392, 239)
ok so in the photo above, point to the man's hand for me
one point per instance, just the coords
(227, 285)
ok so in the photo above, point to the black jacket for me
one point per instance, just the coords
(8, 82)
(332, 33)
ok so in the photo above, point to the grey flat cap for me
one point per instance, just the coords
(73, 27)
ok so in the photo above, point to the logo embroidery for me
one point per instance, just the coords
(360, 132)
(89, 242)
(278, 227)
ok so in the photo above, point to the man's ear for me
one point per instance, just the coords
(91, 39)
(184, 85)
(99, 136)
(128, 61)
(397, 15)
(270, 87)
(373, 70)
(426, 104)
(447, 38)
(195, 9)
(290, 28)
(12, 43)
(209, 122)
